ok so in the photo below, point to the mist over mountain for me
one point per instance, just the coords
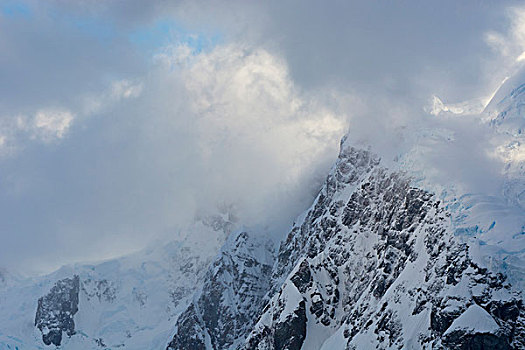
(241, 175)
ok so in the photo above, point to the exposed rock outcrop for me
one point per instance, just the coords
(230, 300)
(56, 309)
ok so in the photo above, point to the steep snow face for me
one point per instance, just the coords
(506, 95)
(506, 244)
(476, 319)
(486, 205)
(495, 226)
(506, 114)
(228, 304)
(375, 264)
(130, 302)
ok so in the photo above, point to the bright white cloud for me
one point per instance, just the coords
(510, 44)
(255, 121)
(247, 99)
(226, 125)
(260, 138)
(45, 125)
(51, 124)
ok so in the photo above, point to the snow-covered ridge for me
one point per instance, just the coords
(377, 264)
(491, 221)
(129, 302)
(228, 304)
(374, 263)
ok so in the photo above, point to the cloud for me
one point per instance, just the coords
(118, 91)
(250, 118)
(49, 125)
(242, 116)
(123, 89)
(225, 125)
(116, 142)
(469, 107)
(511, 43)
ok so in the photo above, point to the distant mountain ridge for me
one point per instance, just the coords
(127, 303)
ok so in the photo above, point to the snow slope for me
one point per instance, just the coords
(129, 303)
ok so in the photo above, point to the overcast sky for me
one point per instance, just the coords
(120, 120)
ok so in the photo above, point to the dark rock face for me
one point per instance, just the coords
(55, 311)
(462, 340)
(441, 318)
(287, 317)
(190, 334)
(286, 331)
(231, 297)
(506, 310)
(302, 279)
(290, 334)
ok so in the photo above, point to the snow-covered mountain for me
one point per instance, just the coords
(383, 259)
(231, 298)
(130, 302)
(373, 263)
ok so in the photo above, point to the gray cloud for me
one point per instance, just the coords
(117, 146)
